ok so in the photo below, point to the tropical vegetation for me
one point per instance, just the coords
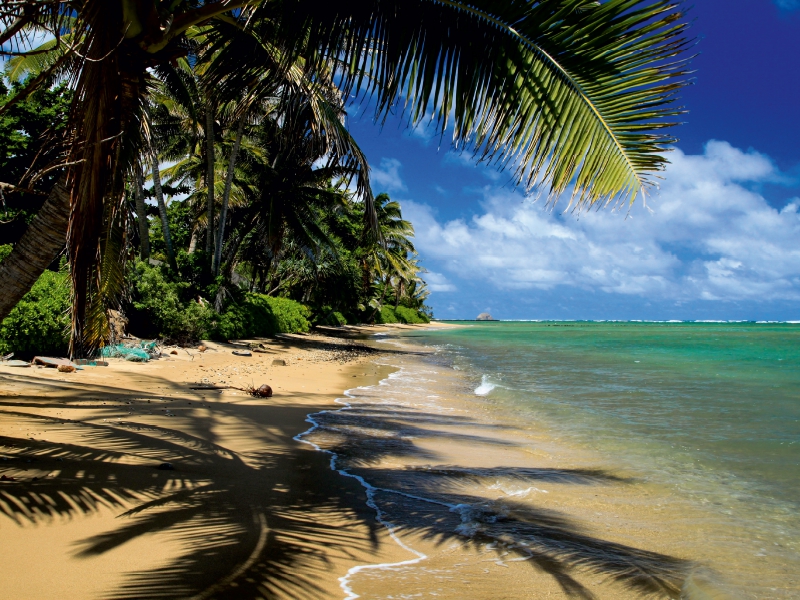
(230, 117)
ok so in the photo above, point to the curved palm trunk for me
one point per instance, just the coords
(141, 215)
(162, 211)
(210, 177)
(380, 302)
(226, 195)
(39, 246)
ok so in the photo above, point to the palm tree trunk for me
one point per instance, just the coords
(397, 293)
(193, 241)
(162, 211)
(210, 177)
(223, 215)
(380, 302)
(39, 246)
(141, 215)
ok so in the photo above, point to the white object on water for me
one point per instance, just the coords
(485, 387)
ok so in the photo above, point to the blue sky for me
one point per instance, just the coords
(721, 240)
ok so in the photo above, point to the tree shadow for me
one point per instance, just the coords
(438, 502)
(252, 524)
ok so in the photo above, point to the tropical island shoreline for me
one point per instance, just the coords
(134, 479)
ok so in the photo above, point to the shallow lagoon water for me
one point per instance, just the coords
(669, 448)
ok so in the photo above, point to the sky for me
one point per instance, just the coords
(719, 241)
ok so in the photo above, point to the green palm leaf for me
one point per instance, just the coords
(562, 91)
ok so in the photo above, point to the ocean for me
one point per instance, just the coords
(620, 459)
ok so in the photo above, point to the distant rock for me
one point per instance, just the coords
(484, 317)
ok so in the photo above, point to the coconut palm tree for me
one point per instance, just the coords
(563, 92)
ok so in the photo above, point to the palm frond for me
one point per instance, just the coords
(565, 92)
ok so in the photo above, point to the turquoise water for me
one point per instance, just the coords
(642, 459)
(717, 400)
(710, 410)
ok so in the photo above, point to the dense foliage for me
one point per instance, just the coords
(31, 132)
(39, 324)
(298, 248)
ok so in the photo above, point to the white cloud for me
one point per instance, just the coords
(708, 237)
(386, 178)
(438, 282)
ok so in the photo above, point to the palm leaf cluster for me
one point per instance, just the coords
(566, 93)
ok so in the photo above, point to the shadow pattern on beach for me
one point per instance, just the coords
(260, 510)
(366, 436)
(263, 512)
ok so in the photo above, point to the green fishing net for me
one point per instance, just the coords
(141, 353)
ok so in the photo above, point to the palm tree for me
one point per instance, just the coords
(388, 252)
(561, 91)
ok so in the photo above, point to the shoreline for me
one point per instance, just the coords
(246, 510)
(427, 490)
(493, 503)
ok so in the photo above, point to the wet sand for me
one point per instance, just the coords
(492, 507)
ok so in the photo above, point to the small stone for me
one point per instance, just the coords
(66, 369)
(166, 467)
(278, 362)
(174, 352)
(202, 348)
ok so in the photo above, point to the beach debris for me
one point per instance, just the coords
(264, 391)
(66, 369)
(15, 363)
(202, 348)
(242, 353)
(174, 352)
(165, 467)
(4, 478)
(47, 361)
(8, 356)
(87, 362)
(278, 362)
(141, 352)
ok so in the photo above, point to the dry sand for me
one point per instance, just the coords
(247, 511)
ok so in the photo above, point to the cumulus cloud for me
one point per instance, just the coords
(438, 282)
(386, 178)
(708, 237)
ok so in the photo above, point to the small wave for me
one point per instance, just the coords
(485, 387)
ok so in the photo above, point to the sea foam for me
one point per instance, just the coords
(485, 387)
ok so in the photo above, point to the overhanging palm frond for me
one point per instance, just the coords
(564, 91)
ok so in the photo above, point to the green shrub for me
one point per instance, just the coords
(327, 316)
(260, 316)
(337, 319)
(5, 250)
(158, 310)
(386, 315)
(291, 316)
(401, 314)
(39, 324)
(410, 316)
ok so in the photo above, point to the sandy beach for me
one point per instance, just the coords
(456, 501)
(245, 512)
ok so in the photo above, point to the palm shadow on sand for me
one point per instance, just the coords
(260, 510)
